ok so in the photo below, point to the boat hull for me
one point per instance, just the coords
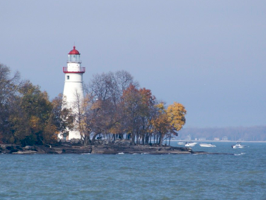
(190, 144)
(238, 146)
(207, 145)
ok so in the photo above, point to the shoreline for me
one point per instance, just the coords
(110, 149)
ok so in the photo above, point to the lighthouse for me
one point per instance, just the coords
(73, 87)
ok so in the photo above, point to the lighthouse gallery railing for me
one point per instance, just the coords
(82, 70)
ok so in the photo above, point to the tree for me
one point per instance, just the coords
(131, 101)
(138, 107)
(35, 108)
(168, 121)
(176, 115)
(34, 119)
(160, 123)
(25, 111)
(8, 89)
(61, 117)
(104, 92)
(147, 114)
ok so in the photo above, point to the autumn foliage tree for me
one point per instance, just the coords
(36, 120)
(8, 89)
(27, 116)
(168, 121)
(176, 115)
(160, 124)
(138, 107)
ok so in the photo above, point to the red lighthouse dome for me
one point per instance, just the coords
(74, 51)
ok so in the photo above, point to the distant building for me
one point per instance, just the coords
(216, 139)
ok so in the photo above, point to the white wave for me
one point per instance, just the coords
(239, 154)
(121, 153)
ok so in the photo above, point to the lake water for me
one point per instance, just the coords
(238, 176)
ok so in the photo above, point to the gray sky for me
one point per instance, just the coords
(208, 55)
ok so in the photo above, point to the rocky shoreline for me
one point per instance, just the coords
(96, 149)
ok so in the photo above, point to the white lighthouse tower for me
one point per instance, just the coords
(73, 88)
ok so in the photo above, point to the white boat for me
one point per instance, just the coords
(207, 145)
(237, 146)
(190, 144)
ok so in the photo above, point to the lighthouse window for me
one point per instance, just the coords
(67, 77)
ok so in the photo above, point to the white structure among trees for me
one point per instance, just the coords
(73, 87)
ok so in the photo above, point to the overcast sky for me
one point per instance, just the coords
(208, 55)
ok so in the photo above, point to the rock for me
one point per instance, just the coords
(12, 148)
(75, 141)
(137, 149)
(58, 150)
(29, 148)
(25, 152)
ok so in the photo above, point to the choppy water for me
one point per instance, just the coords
(239, 176)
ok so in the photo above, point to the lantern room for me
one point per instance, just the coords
(74, 55)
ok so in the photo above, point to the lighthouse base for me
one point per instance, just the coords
(71, 135)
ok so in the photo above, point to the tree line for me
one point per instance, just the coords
(113, 107)
(27, 116)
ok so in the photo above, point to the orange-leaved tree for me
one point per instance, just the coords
(161, 125)
(131, 106)
(176, 115)
(147, 113)
(168, 121)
